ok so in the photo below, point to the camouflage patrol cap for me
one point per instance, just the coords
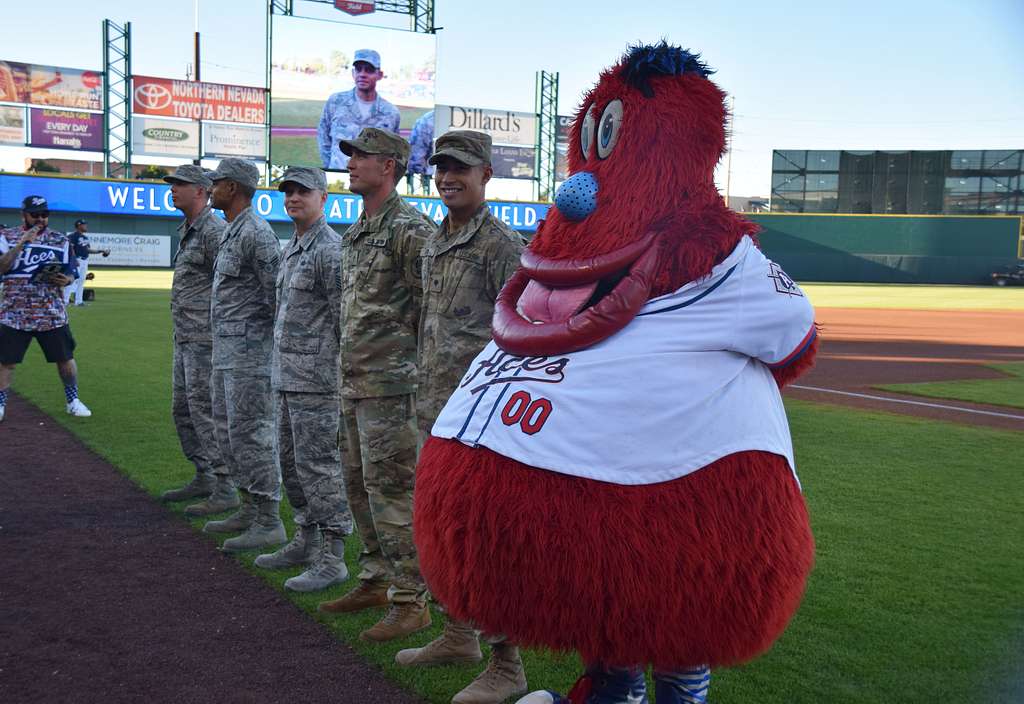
(367, 56)
(238, 170)
(465, 146)
(190, 173)
(314, 179)
(375, 141)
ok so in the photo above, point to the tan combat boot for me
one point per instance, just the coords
(400, 620)
(366, 596)
(504, 678)
(457, 644)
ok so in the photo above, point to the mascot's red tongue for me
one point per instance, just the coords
(540, 310)
(542, 304)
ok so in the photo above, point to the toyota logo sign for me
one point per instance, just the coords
(152, 96)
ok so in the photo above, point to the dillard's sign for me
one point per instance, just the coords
(504, 126)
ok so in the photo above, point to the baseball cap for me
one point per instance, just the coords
(376, 141)
(80, 221)
(238, 170)
(35, 204)
(190, 173)
(465, 146)
(314, 179)
(369, 56)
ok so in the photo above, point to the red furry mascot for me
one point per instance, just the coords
(614, 474)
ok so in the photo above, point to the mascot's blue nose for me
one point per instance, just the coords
(577, 197)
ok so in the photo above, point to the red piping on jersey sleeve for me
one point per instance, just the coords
(800, 348)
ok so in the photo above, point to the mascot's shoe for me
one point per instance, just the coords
(682, 686)
(266, 530)
(200, 487)
(366, 596)
(328, 570)
(600, 686)
(223, 498)
(302, 549)
(400, 620)
(238, 521)
(457, 644)
(503, 678)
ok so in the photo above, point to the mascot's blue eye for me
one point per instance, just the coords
(587, 133)
(608, 129)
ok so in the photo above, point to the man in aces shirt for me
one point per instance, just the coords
(35, 264)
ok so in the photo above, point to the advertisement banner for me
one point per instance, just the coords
(66, 129)
(562, 147)
(155, 137)
(192, 100)
(12, 125)
(514, 162)
(504, 126)
(51, 85)
(131, 250)
(316, 87)
(354, 8)
(221, 141)
(154, 199)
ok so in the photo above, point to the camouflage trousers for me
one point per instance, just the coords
(306, 443)
(379, 477)
(192, 407)
(244, 420)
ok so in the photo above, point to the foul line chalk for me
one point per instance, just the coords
(911, 403)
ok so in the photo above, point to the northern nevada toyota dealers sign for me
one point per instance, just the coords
(153, 137)
(193, 100)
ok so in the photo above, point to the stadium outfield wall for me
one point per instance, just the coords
(138, 222)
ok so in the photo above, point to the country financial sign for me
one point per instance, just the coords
(194, 100)
(156, 137)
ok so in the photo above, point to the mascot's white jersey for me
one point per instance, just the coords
(687, 382)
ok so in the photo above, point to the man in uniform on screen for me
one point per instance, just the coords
(346, 113)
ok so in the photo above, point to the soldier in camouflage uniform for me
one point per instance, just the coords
(348, 112)
(193, 348)
(304, 379)
(380, 315)
(465, 264)
(242, 317)
(421, 143)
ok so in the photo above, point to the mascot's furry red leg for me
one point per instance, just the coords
(614, 474)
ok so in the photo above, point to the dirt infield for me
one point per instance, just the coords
(106, 597)
(862, 347)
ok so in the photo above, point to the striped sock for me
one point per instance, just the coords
(682, 686)
(3, 397)
(70, 392)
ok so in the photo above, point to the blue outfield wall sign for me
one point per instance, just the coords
(154, 199)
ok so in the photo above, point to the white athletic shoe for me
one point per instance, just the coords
(77, 408)
(3, 408)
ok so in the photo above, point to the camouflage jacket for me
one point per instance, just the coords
(308, 321)
(341, 119)
(462, 275)
(422, 142)
(193, 277)
(381, 296)
(243, 301)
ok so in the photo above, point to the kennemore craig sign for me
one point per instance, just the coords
(155, 137)
(192, 100)
(504, 126)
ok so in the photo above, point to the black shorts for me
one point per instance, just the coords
(58, 344)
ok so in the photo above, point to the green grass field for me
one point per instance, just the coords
(915, 597)
(1000, 392)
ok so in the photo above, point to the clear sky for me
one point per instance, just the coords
(840, 74)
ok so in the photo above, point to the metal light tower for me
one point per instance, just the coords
(547, 130)
(117, 93)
